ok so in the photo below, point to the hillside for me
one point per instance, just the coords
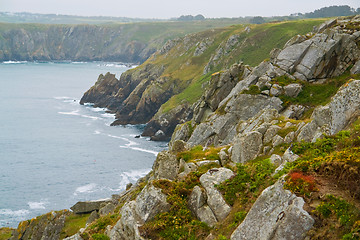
(269, 151)
(120, 42)
(174, 78)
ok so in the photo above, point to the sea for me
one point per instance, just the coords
(55, 152)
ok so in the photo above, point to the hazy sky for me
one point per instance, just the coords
(170, 8)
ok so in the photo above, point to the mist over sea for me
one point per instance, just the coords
(55, 152)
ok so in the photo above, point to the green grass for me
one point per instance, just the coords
(197, 152)
(73, 224)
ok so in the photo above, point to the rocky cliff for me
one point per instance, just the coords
(270, 152)
(162, 91)
(120, 42)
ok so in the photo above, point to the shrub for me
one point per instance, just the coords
(99, 236)
(299, 183)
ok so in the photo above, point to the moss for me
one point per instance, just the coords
(73, 223)
(253, 90)
(198, 152)
(99, 236)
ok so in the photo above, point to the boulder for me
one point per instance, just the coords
(270, 133)
(276, 90)
(324, 55)
(166, 166)
(150, 202)
(336, 115)
(293, 90)
(276, 160)
(179, 146)
(246, 147)
(93, 216)
(107, 209)
(215, 200)
(294, 111)
(74, 237)
(128, 225)
(276, 214)
(199, 207)
(88, 206)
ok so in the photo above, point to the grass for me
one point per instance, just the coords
(73, 224)
(198, 152)
(5, 233)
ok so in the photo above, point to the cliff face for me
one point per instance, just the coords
(71, 42)
(162, 91)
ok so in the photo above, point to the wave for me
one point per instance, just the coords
(76, 113)
(130, 177)
(17, 213)
(14, 62)
(141, 150)
(38, 205)
(88, 188)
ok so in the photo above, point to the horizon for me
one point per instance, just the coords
(170, 9)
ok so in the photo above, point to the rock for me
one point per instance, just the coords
(293, 90)
(276, 214)
(89, 206)
(276, 90)
(107, 209)
(356, 68)
(277, 140)
(294, 111)
(166, 166)
(199, 207)
(128, 225)
(74, 237)
(246, 147)
(128, 186)
(289, 138)
(336, 115)
(214, 198)
(324, 55)
(289, 156)
(270, 133)
(179, 146)
(276, 160)
(93, 216)
(47, 226)
(150, 202)
(224, 157)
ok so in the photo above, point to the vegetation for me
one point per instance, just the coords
(198, 152)
(73, 223)
(5, 233)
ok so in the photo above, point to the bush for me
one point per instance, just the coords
(99, 236)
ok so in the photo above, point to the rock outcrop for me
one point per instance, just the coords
(89, 206)
(47, 226)
(276, 214)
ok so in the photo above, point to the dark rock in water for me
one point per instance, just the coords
(137, 136)
(88, 207)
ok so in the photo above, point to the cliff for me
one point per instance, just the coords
(270, 152)
(120, 42)
(161, 91)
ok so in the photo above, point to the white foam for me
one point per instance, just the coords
(97, 132)
(17, 213)
(76, 113)
(37, 205)
(130, 177)
(141, 150)
(88, 188)
(14, 62)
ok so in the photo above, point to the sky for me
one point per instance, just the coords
(164, 9)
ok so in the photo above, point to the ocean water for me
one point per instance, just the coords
(55, 152)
